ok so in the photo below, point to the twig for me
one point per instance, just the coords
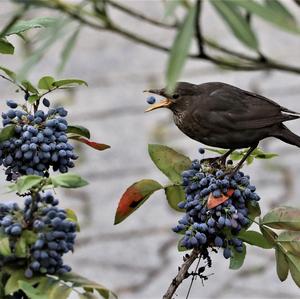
(138, 15)
(13, 82)
(182, 274)
(198, 29)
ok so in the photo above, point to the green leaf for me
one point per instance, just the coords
(216, 150)
(180, 49)
(253, 210)
(255, 238)
(282, 266)
(33, 98)
(27, 182)
(30, 291)
(237, 259)
(270, 235)
(180, 247)
(170, 7)
(6, 47)
(69, 83)
(59, 291)
(4, 247)
(68, 180)
(8, 72)
(68, 48)
(290, 241)
(71, 216)
(7, 132)
(168, 161)
(294, 265)
(283, 218)
(80, 281)
(235, 156)
(21, 247)
(28, 86)
(23, 25)
(267, 14)
(175, 194)
(134, 197)
(46, 83)
(236, 22)
(87, 296)
(280, 9)
(29, 236)
(266, 156)
(79, 130)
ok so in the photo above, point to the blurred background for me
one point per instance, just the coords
(139, 258)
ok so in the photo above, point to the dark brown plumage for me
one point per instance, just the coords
(221, 115)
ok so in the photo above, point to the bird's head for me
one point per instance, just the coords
(176, 100)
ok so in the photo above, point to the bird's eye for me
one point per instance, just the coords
(175, 96)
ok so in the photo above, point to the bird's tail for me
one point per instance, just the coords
(288, 136)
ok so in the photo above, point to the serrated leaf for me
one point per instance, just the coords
(283, 218)
(4, 247)
(94, 145)
(7, 132)
(6, 47)
(168, 161)
(69, 82)
(8, 72)
(175, 194)
(27, 182)
(46, 83)
(134, 197)
(282, 266)
(68, 180)
(24, 25)
(79, 130)
(294, 265)
(255, 238)
(290, 241)
(180, 48)
(237, 259)
(236, 22)
(267, 14)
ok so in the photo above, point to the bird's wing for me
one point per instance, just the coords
(238, 109)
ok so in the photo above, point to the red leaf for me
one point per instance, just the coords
(213, 202)
(134, 197)
(95, 145)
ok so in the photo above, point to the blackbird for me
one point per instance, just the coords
(221, 115)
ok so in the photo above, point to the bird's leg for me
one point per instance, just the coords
(221, 159)
(239, 165)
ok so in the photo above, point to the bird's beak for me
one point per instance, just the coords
(165, 103)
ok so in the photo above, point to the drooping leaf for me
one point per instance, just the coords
(69, 82)
(236, 22)
(8, 72)
(6, 47)
(294, 265)
(283, 218)
(255, 238)
(267, 14)
(79, 130)
(4, 246)
(213, 202)
(68, 180)
(46, 83)
(290, 241)
(180, 48)
(24, 25)
(68, 48)
(134, 197)
(7, 132)
(174, 195)
(94, 145)
(170, 162)
(237, 259)
(282, 266)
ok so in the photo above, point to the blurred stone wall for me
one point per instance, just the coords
(138, 258)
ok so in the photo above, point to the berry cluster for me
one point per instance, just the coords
(54, 234)
(40, 141)
(219, 226)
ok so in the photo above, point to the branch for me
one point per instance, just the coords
(182, 274)
(198, 29)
